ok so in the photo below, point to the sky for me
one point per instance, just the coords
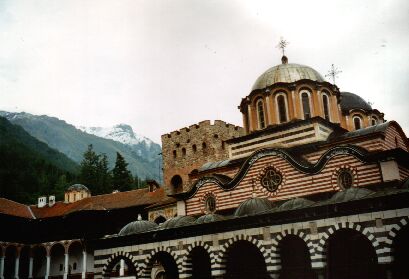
(161, 65)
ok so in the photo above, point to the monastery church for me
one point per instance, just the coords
(314, 185)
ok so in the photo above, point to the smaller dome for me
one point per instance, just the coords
(208, 218)
(295, 204)
(352, 101)
(78, 187)
(253, 206)
(178, 221)
(137, 227)
(350, 194)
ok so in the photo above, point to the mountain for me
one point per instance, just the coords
(28, 167)
(124, 133)
(73, 142)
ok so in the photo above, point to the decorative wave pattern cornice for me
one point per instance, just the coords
(297, 163)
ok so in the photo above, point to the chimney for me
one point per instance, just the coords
(51, 201)
(42, 201)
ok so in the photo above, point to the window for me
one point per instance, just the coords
(260, 114)
(204, 146)
(176, 181)
(345, 179)
(194, 148)
(282, 109)
(305, 99)
(325, 103)
(174, 154)
(210, 204)
(271, 179)
(357, 122)
(374, 121)
(184, 151)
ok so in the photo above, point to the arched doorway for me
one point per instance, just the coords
(39, 261)
(351, 255)
(400, 252)
(201, 268)
(244, 260)
(24, 262)
(114, 268)
(57, 252)
(164, 266)
(10, 262)
(295, 258)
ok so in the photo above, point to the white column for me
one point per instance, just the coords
(84, 264)
(250, 118)
(122, 268)
(2, 267)
(30, 267)
(16, 267)
(47, 267)
(66, 258)
(268, 111)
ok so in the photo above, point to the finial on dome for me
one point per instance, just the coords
(139, 217)
(333, 73)
(282, 44)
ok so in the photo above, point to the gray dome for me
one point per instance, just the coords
(352, 101)
(286, 73)
(253, 206)
(178, 221)
(295, 204)
(137, 227)
(78, 187)
(208, 218)
(350, 194)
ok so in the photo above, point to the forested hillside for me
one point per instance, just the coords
(30, 168)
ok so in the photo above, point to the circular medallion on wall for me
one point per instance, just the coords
(271, 179)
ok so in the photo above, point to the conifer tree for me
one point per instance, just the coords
(121, 176)
(104, 175)
(89, 170)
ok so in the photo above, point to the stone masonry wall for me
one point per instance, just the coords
(189, 148)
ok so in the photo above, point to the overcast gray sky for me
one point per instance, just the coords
(160, 65)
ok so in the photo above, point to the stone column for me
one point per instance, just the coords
(84, 264)
(16, 266)
(122, 268)
(2, 267)
(66, 260)
(250, 118)
(30, 267)
(47, 266)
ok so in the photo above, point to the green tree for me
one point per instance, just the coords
(89, 170)
(104, 175)
(121, 176)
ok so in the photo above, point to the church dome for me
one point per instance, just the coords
(78, 187)
(295, 203)
(286, 73)
(352, 101)
(137, 227)
(208, 218)
(178, 221)
(253, 206)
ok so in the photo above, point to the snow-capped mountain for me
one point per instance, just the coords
(121, 132)
(124, 133)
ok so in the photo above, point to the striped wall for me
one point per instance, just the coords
(380, 228)
(295, 183)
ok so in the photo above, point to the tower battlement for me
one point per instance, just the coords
(186, 149)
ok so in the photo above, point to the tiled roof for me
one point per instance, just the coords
(12, 208)
(140, 197)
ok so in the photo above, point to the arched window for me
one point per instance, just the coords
(184, 151)
(194, 148)
(204, 146)
(305, 99)
(174, 154)
(260, 114)
(282, 109)
(357, 122)
(325, 104)
(374, 121)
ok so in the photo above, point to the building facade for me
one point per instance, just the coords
(315, 185)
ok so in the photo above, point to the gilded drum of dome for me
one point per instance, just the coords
(286, 73)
